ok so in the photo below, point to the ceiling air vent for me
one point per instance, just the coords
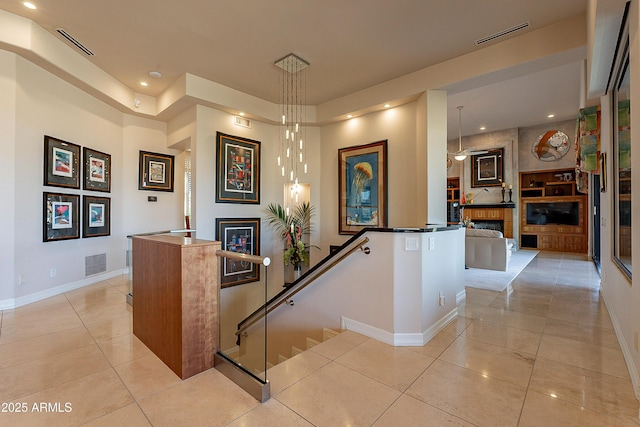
(242, 121)
(73, 41)
(503, 33)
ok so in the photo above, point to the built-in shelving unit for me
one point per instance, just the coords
(453, 200)
(553, 214)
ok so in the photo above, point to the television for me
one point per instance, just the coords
(553, 213)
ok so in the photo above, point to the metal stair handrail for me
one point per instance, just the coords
(354, 244)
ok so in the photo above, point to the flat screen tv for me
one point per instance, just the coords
(553, 213)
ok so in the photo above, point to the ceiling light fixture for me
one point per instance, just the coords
(155, 74)
(29, 5)
(551, 116)
(460, 156)
(483, 128)
(349, 116)
(145, 84)
(292, 108)
(387, 105)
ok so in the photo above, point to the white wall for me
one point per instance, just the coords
(41, 104)
(621, 295)
(397, 125)
(7, 174)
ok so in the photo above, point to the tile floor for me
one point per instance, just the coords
(545, 355)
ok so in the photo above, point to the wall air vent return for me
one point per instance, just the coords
(503, 33)
(242, 121)
(73, 41)
(95, 264)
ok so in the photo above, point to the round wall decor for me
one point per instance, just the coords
(551, 146)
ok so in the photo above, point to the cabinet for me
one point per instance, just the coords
(553, 214)
(175, 307)
(453, 200)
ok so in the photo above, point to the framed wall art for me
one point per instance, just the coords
(60, 216)
(362, 176)
(61, 163)
(155, 171)
(96, 217)
(238, 166)
(487, 169)
(238, 235)
(96, 170)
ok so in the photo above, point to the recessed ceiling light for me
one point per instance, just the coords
(145, 84)
(349, 116)
(551, 116)
(155, 74)
(241, 113)
(29, 5)
(387, 105)
(482, 128)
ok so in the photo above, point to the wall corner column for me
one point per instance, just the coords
(431, 149)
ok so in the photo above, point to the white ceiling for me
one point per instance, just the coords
(350, 44)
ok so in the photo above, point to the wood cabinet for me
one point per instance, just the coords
(553, 214)
(175, 300)
(453, 200)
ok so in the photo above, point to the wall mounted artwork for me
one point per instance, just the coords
(238, 169)
(96, 167)
(96, 218)
(60, 216)
(155, 171)
(61, 163)
(362, 176)
(241, 235)
(487, 169)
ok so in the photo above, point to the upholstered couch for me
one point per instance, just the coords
(487, 249)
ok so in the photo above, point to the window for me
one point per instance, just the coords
(621, 105)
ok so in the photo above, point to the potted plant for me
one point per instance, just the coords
(293, 229)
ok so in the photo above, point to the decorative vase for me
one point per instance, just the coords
(292, 272)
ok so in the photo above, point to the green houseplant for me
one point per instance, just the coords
(292, 229)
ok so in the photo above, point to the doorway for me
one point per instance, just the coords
(596, 220)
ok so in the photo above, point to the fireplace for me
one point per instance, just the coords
(483, 224)
(497, 216)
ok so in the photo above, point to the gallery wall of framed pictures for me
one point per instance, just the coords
(66, 165)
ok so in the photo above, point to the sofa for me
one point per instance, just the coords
(487, 249)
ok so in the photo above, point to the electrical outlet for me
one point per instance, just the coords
(441, 298)
(21, 279)
(432, 243)
(52, 272)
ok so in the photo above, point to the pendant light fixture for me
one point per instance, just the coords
(460, 155)
(292, 103)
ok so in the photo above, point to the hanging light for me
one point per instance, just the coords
(292, 104)
(460, 155)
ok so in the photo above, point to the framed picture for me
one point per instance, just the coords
(243, 236)
(487, 169)
(155, 171)
(60, 216)
(362, 173)
(61, 163)
(603, 172)
(96, 169)
(96, 218)
(238, 166)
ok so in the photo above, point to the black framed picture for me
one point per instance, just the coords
(155, 171)
(238, 166)
(96, 218)
(362, 176)
(487, 169)
(60, 216)
(96, 170)
(61, 163)
(240, 235)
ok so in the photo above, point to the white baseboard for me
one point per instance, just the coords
(461, 296)
(10, 303)
(416, 339)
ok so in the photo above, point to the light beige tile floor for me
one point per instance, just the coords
(544, 354)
